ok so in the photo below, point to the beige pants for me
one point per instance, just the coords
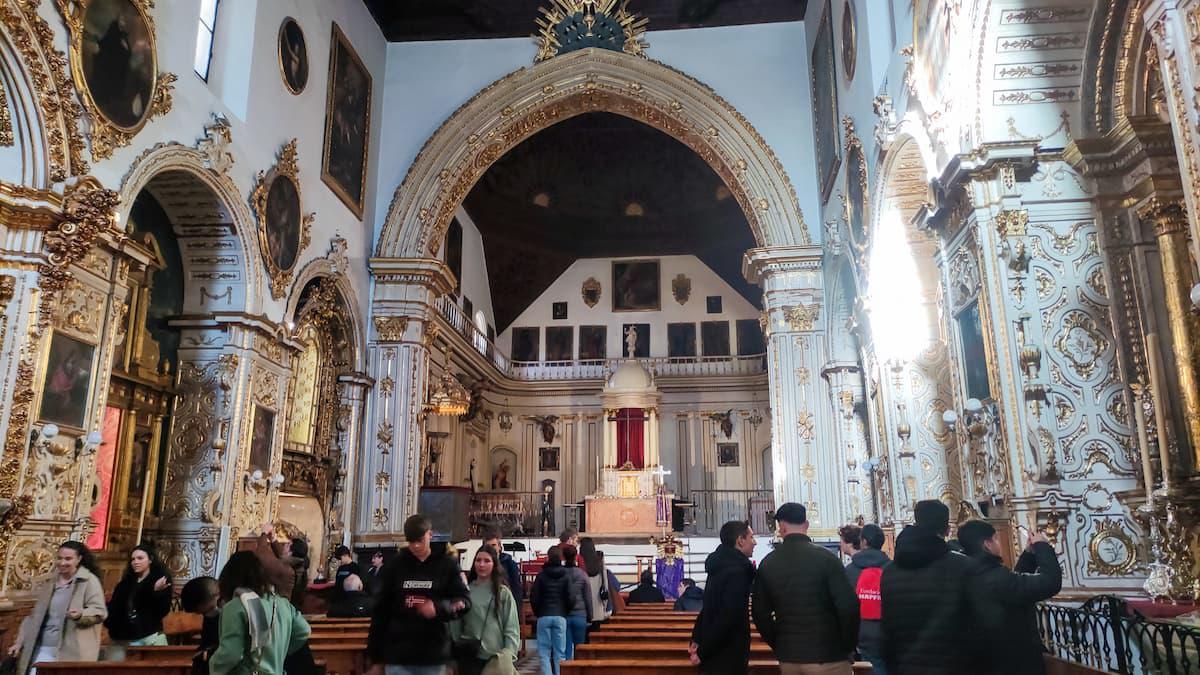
(837, 668)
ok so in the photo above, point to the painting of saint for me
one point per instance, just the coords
(293, 56)
(548, 459)
(504, 471)
(283, 223)
(750, 338)
(262, 437)
(635, 285)
(347, 123)
(119, 69)
(727, 454)
(593, 343)
(560, 343)
(68, 381)
(681, 339)
(525, 344)
(825, 103)
(714, 338)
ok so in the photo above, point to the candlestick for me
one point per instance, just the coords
(1139, 416)
(1158, 391)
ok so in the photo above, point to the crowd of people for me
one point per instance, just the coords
(939, 607)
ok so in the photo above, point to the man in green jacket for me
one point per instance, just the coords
(804, 606)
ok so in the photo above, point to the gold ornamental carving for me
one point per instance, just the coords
(1111, 551)
(391, 328)
(270, 235)
(801, 317)
(607, 24)
(109, 130)
(6, 128)
(1012, 223)
(590, 292)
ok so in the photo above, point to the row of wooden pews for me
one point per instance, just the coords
(652, 639)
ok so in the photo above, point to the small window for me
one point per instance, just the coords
(204, 37)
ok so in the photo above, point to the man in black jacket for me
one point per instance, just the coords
(516, 583)
(926, 613)
(691, 598)
(721, 635)
(1005, 601)
(419, 593)
(646, 592)
(864, 572)
(803, 604)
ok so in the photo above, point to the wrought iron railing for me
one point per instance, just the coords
(1106, 635)
(714, 508)
(514, 513)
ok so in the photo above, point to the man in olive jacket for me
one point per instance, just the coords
(1005, 602)
(803, 604)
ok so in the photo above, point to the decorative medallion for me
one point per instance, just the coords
(1081, 343)
(569, 25)
(681, 288)
(591, 292)
(849, 39)
(115, 67)
(293, 56)
(1111, 551)
(283, 227)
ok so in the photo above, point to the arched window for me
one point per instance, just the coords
(480, 332)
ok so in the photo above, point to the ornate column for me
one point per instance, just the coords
(846, 388)
(1170, 228)
(398, 360)
(355, 387)
(807, 468)
(1174, 25)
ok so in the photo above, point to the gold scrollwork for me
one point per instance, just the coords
(1111, 551)
(801, 317)
(391, 328)
(1081, 343)
(590, 292)
(633, 27)
(854, 199)
(6, 127)
(106, 133)
(1012, 223)
(286, 168)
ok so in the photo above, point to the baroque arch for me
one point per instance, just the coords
(529, 100)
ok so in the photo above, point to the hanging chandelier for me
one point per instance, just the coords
(449, 397)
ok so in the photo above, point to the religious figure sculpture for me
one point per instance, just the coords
(500, 477)
(630, 342)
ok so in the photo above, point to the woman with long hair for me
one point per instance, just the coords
(488, 636)
(138, 604)
(599, 585)
(65, 623)
(580, 600)
(259, 627)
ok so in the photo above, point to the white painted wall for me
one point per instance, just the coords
(474, 282)
(761, 70)
(568, 288)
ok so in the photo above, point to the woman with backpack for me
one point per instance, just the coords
(605, 590)
(865, 571)
(549, 598)
(138, 605)
(259, 628)
(488, 636)
(580, 603)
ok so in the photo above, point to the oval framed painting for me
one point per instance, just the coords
(293, 56)
(117, 62)
(849, 39)
(283, 227)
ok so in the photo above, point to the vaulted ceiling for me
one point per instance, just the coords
(412, 20)
(595, 186)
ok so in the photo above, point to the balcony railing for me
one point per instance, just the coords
(1106, 635)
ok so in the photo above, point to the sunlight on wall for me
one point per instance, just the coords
(897, 317)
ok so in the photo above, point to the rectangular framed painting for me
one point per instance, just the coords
(593, 343)
(714, 338)
(823, 73)
(681, 339)
(347, 123)
(262, 438)
(974, 352)
(548, 459)
(67, 381)
(560, 343)
(559, 310)
(727, 454)
(750, 338)
(525, 344)
(635, 286)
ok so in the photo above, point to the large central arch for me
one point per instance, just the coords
(529, 100)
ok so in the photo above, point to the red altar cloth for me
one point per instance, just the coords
(629, 438)
(1161, 610)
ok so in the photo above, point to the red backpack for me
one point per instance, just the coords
(870, 604)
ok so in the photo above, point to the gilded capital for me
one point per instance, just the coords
(1012, 222)
(391, 328)
(1169, 216)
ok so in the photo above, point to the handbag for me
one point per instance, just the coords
(468, 647)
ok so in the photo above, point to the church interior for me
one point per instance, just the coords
(634, 268)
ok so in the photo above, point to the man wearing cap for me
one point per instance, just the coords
(803, 604)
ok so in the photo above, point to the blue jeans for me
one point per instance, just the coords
(875, 659)
(551, 642)
(577, 625)
(414, 670)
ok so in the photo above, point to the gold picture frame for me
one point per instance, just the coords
(849, 39)
(855, 204)
(286, 73)
(280, 248)
(339, 161)
(824, 87)
(118, 108)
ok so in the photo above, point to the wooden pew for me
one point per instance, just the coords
(635, 666)
(649, 636)
(641, 627)
(658, 651)
(175, 667)
(341, 658)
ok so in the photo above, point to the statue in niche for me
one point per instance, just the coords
(500, 477)
(630, 342)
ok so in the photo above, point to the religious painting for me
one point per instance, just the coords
(293, 56)
(714, 338)
(974, 353)
(118, 61)
(559, 310)
(347, 123)
(548, 459)
(593, 343)
(849, 39)
(283, 227)
(750, 338)
(525, 344)
(935, 28)
(727, 454)
(681, 340)
(139, 467)
(855, 206)
(636, 337)
(504, 469)
(712, 304)
(67, 381)
(635, 285)
(283, 222)
(824, 102)
(560, 343)
(262, 438)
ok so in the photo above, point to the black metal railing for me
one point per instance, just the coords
(1105, 634)
(716, 507)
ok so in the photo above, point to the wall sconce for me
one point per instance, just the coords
(257, 479)
(89, 444)
(41, 437)
(1195, 296)
(852, 464)
(976, 417)
(950, 419)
